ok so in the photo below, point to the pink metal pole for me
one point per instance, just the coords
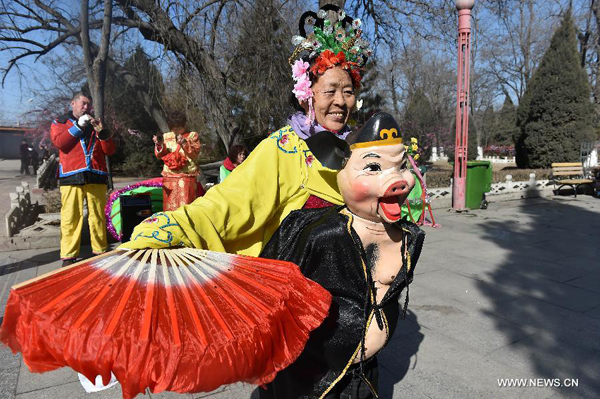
(462, 104)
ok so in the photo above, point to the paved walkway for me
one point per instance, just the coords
(508, 292)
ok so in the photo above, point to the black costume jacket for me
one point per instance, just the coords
(328, 250)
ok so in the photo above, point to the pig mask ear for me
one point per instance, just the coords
(329, 149)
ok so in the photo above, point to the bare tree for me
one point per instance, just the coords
(594, 65)
(514, 35)
(339, 3)
(197, 34)
(206, 39)
(155, 23)
(397, 22)
(419, 69)
(33, 29)
(96, 67)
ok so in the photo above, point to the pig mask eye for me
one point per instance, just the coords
(373, 167)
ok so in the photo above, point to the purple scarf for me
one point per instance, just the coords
(304, 131)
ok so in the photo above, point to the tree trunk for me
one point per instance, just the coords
(163, 31)
(155, 112)
(394, 95)
(596, 86)
(584, 37)
(96, 67)
(339, 3)
(99, 66)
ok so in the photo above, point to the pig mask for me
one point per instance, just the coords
(376, 180)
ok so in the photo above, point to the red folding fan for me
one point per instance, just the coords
(182, 320)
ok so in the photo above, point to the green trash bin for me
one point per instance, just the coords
(479, 182)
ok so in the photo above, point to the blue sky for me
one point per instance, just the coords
(17, 95)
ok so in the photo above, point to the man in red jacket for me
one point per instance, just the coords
(82, 145)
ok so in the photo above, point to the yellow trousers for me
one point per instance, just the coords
(71, 218)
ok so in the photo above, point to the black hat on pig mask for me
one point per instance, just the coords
(381, 129)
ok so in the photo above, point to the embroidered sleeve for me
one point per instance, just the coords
(192, 146)
(157, 231)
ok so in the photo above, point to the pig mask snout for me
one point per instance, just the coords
(397, 188)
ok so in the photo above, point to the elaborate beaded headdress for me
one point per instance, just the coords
(333, 39)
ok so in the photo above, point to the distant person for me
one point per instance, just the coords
(24, 153)
(45, 152)
(82, 143)
(33, 159)
(179, 150)
(236, 156)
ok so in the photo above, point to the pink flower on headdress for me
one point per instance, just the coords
(299, 69)
(302, 89)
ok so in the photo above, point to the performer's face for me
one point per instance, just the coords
(334, 98)
(178, 130)
(81, 106)
(240, 158)
(376, 181)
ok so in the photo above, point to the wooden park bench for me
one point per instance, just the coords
(569, 174)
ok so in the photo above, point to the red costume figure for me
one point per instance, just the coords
(179, 150)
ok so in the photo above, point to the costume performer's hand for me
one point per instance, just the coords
(84, 120)
(181, 140)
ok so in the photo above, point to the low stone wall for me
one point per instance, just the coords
(494, 159)
(44, 233)
(505, 191)
(22, 212)
(26, 227)
(46, 176)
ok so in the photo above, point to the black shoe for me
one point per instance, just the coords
(68, 262)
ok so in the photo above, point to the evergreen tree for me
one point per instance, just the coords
(262, 75)
(133, 127)
(505, 128)
(419, 122)
(489, 125)
(369, 94)
(555, 114)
